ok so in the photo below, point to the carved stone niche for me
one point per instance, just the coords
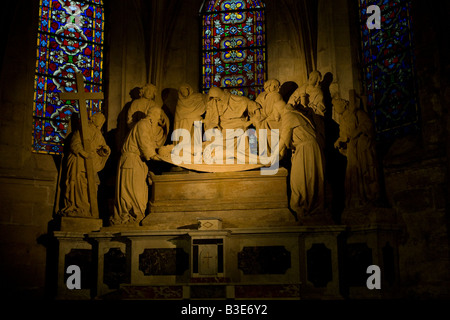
(264, 260)
(319, 266)
(208, 257)
(115, 268)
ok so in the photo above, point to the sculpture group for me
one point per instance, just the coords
(297, 125)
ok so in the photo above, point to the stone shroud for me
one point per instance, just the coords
(240, 199)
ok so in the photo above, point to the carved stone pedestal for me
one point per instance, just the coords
(80, 224)
(372, 239)
(236, 263)
(74, 249)
(297, 262)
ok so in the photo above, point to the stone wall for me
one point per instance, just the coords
(27, 180)
(417, 166)
(417, 192)
(337, 52)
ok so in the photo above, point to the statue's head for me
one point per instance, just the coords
(340, 105)
(272, 85)
(148, 91)
(154, 114)
(314, 78)
(185, 91)
(215, 93)
(98, 119)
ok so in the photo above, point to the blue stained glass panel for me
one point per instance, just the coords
(233, 46)
(388, 66)
(70, 40)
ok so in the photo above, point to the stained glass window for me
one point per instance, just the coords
(233, 46)
(388, 66)
(70, 40)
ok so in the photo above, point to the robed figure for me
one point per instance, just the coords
(132, 184)
(76, 198)
(232, 115)
(190, 108)
(230, 111)
(309, 99)
(272, 106)
(142, 106)
(306, 177)
(357, 142)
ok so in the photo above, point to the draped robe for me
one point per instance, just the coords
(131, 187)
(306, 177)
(315, 110)
(361, 175)
(76, 198)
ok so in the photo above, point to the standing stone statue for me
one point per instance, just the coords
(272, 104)
(357, 142)
(233, 111)
(306, 177)
(190, 108)
(132, 188)
(76, 199)
(228, 111)
(140, 107)
(309, 98)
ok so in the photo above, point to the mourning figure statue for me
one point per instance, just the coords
(306, 176)
(357, 142)
(142, 106)
(229, 111)
(308, 98)
(76, 198)
(132, 184)
(190, 108)
(272, 106)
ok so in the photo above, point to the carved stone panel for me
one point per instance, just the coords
(264, 260)
(163, 261)
(319, 267)
(207, 257)
(115, 268)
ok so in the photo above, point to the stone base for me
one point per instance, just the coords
(214, 291)
(297, 262)
(80, 224)
(241, 263)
